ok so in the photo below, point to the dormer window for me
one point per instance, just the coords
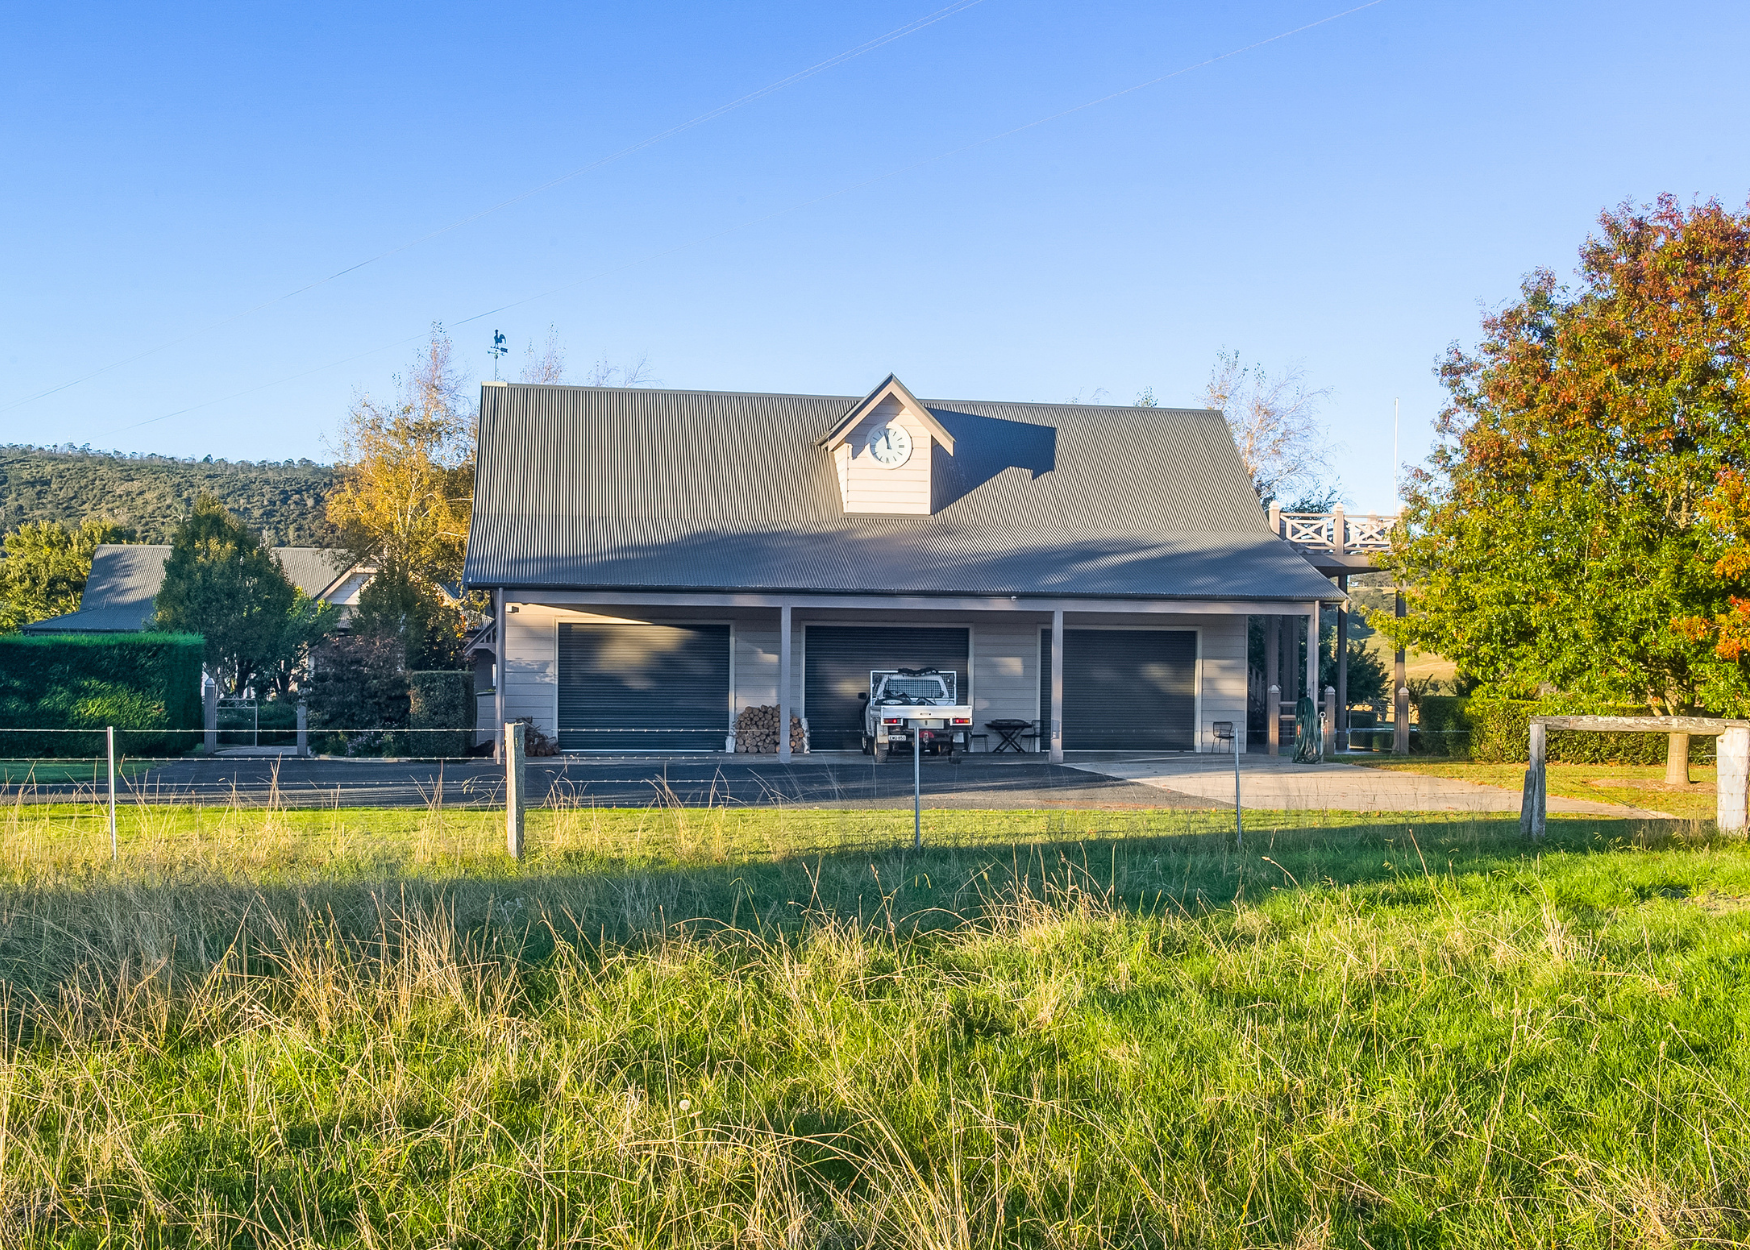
(883, 448)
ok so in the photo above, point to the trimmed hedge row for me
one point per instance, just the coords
(440, 699)
(1498, 731)
(146, 685)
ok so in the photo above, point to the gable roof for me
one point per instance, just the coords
(890, 385)
(125, 577)
(593, 488)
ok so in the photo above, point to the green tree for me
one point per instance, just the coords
(1559, 531)
(221, 583)
(426, 627)
(1368, 682)
(403, 505)
(46, 567)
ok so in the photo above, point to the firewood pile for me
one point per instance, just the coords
(756, 732)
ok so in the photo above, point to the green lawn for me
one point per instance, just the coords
(1633, 785)
(675, 1028)
(66, 772)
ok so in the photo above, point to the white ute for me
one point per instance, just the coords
(924, 701)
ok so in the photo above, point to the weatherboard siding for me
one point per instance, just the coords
(870, 487)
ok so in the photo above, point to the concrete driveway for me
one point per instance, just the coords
(1112, 780)
(1275, 783)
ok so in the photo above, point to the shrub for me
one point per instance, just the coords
(146, 685)
(1495, 731)
(357, 684)
(440, 699)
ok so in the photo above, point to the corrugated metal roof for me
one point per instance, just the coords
(601, 487)
(125, 577)
(312, 569)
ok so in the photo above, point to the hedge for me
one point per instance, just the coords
(440, 699)
(146, 685)
(1499, 731)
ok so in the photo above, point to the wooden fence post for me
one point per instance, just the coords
(1732, 780)
(210, 717)
(1532, 801)
(515, 797)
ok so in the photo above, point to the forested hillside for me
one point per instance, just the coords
(150, 494)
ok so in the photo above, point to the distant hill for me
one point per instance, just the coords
(152, 493)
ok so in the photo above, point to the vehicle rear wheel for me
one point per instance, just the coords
(880, 751)
(866, 746)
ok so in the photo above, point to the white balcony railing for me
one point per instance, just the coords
(1334, 530)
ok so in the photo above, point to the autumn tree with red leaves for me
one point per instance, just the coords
(1567, 533)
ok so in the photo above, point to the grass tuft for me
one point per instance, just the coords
(730, 1028)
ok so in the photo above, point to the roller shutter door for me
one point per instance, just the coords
(836, 664)
(643, 687)
(1123, 689)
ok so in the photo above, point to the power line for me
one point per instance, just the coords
(792, 208)
(832, 62)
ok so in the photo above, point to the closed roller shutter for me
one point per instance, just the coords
(1123, 689)
(836, 668)
(643, 687)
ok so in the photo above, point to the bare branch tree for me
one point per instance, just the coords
(605, 374)
(549, 367)
(1275, 422)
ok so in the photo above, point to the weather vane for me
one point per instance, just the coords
(498, 350)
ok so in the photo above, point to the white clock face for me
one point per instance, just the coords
(890, 445)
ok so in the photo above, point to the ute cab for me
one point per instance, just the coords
(902, 703)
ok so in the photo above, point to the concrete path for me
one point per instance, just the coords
(832, 780)
(1275, 783)
(1110, 780)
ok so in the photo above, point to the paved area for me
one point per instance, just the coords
(825, 780)
(848, 780)
(1275, 783)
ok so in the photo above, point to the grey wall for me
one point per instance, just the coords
(1005, 657)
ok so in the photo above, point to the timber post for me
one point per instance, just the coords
(515, 788)
(1532, 802)
(1343, 664)
(1273, 682)
(500, 669)
(784, 682)
(1400, 700)
(209, 717)
(1055, 729)
(303, 730)
(1732, 780)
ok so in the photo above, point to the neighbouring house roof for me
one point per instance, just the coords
(125, 577)
(611, 488)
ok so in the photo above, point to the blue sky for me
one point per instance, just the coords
(1347, 198)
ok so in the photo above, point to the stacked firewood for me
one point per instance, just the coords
(756, 732)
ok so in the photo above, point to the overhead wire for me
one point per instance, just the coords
(796, 207)
(832, 62)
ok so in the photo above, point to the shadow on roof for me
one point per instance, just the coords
(983, 448)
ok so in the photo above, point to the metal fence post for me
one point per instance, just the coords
(1330, 735)
(515, 798)
(1273, 718)
(113, 854)
(303, 731)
